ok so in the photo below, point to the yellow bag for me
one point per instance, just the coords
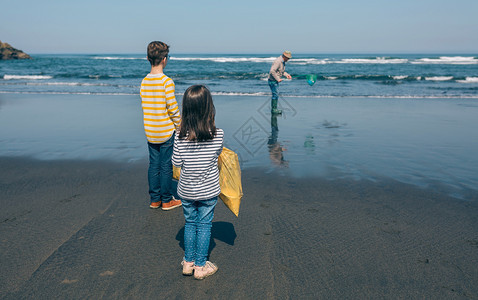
(229, 179)
(176, 172)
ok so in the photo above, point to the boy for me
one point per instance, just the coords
(161, 118)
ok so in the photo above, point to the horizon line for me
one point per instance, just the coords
(255, 53)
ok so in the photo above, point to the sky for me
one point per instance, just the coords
(246, 26)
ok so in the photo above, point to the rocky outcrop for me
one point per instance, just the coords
(8, 52)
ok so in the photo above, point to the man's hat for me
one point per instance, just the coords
(287, 54)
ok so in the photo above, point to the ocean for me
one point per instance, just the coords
(338, 75)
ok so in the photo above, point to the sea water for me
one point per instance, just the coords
(338, 75)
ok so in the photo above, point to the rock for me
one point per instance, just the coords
(8, 52)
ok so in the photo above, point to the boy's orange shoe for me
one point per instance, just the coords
(155, 204)
(171, 204)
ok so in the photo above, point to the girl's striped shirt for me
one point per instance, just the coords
(160, 110)
(199, 179)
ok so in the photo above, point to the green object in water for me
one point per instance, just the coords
(311, 79)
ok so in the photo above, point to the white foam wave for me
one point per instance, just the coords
(316, 61)
(238, 94)
(469, 80)
(377, 60)
(30, 77)
(263, 94)
(110, 76)
(309, 61)
(68, 84)
(384, 96)
(297, 61)
(67, 93)
(331, 77)
(457, 60)
(117, 58)
(400, 77)
(439, 78)
(227, 59)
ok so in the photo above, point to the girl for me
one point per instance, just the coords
(196, 148)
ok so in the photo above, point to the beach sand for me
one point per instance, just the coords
(76, 229)
(81, 227)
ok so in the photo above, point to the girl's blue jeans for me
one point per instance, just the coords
(197, 231)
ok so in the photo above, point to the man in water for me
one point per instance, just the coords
(275, 76)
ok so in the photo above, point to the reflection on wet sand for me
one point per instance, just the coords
(276, 150)
(309, 145)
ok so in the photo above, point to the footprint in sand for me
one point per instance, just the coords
(68, 281)
(107, 273)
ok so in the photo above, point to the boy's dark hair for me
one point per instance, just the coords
(156, 52)
(197, 118)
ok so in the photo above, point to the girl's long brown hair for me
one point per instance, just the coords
(197, 119)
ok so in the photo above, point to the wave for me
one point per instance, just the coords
(393, 78)
(262, 94)
(370, 77)
(310, 61)
(104, 76)
(462, 60)
(400, 77)
(439, 78)
(65, 84)
(226, 59)
(455, 60)
(469, 80)
(296, 61)
(68, 93)
(238, 94)
(316, 61)
(44, 77)
(113, 80)
(377, 60)
(118, 58)
(372, 96)
(70, 84)
(74, 84)
(30, 77)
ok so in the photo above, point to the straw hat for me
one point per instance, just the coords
(287, 54)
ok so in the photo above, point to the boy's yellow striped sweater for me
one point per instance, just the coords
(160, 109)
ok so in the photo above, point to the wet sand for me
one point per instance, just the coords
(82, 229)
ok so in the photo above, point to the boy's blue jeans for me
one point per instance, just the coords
(160, 171)
(197, 231)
